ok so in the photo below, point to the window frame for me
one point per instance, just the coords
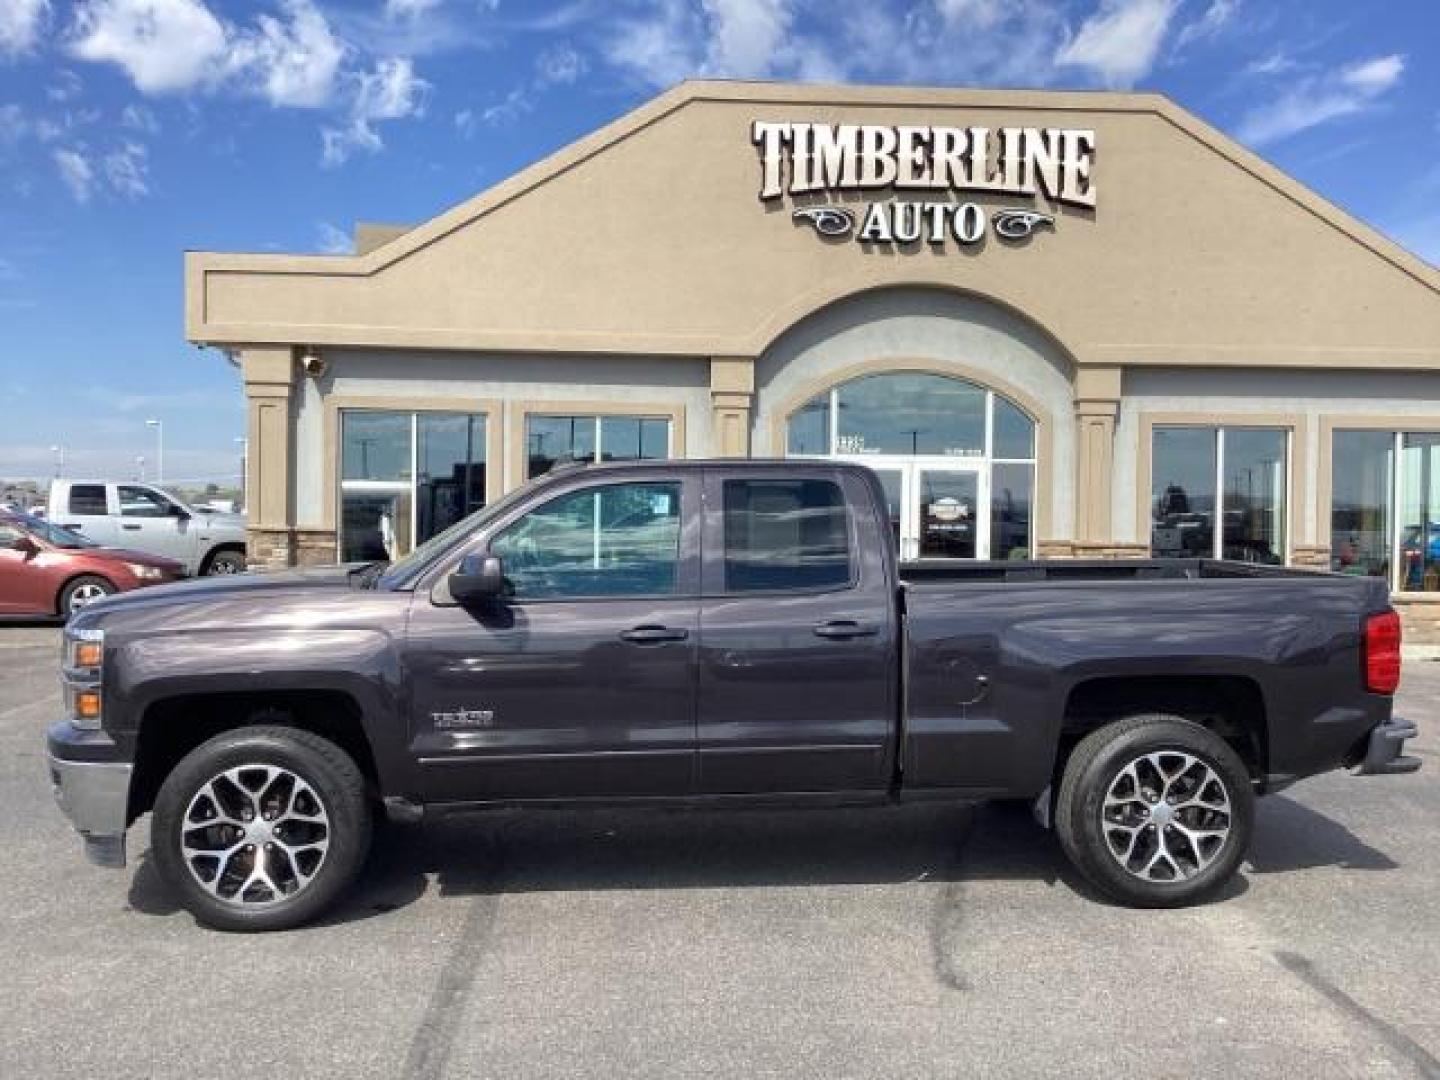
(687, 573)
(1396, 427)
(1294, 490)
(522, 411)
(336, 484)
(713, 584)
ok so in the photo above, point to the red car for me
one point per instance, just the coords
(47, 570)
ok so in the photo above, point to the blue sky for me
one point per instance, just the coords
(131, 130)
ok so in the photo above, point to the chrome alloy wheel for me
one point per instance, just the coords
(255, 835)
(1166, 816)
(85, 594)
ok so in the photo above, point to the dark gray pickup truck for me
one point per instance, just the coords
(709, 633)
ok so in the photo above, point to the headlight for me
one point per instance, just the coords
(145, 573)
(81, 674)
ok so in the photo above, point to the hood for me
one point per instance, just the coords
(226, 587)
(139, 558)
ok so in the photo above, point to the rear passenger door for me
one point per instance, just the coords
(798, 683)
(87, 511)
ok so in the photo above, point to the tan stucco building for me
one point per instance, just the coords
(1058, 324)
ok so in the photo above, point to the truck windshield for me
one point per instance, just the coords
(54, 534)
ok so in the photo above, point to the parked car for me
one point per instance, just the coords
(46, 570)
(674, 633)
(147, 518)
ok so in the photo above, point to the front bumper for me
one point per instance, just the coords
(1383, 746)
(95, 796)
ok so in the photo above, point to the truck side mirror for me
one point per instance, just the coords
(477, 579)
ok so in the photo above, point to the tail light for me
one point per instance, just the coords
(1382, 653)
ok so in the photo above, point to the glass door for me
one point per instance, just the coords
(950, 514)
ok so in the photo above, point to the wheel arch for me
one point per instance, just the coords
(1231, 705)
(216, 549)
(60, 592)
(172, 727)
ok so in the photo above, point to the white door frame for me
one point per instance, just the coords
(910, 470)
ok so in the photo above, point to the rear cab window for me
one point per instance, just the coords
(88, 500)
(785, 534)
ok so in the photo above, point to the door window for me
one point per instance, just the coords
(949, 517)
(142, 502)
(617, 540)
(88, 500)
(785, 534)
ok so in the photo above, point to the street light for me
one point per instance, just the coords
(159, 449)
(140, 465)
(59, 452)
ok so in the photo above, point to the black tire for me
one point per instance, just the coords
(82, 590)
(1100, 760)
(332, 776)
(225, 561)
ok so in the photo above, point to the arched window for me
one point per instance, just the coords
(957, 459)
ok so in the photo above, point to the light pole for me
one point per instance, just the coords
(159, 427)
(140, 465)
(59, 452)
(244, 444)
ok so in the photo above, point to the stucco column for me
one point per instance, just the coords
(732, 390)
(269, 372)
(1097, 406)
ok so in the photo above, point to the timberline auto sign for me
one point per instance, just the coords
(828, 159)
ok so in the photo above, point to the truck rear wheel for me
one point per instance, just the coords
(1155, 811)
(261, 828)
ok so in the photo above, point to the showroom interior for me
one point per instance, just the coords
(1055, 324)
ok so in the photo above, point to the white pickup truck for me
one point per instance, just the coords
(145, 518)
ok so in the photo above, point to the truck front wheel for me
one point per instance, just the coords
(1155, 811)
(261, 828)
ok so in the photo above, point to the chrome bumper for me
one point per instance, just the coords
(95, 796)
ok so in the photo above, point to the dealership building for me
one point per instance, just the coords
(1055, 324)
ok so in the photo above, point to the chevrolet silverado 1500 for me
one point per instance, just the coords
(710, 633)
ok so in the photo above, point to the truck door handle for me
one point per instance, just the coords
(131, 528)
(653, 635)
(844, 628)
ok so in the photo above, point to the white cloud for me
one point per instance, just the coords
(139, 118)
(1120, 41)
(559, 65)
(392, 91)
(20, 24)
(163, 45)
(1276, 63)
(1374, 76)
(170, 46)
(1215, 18)
(76, 173)
(1318, 99)
(979, 14)
(13, 123)
(127, 170)
(66, 86)
(333, 240)
(410, 9)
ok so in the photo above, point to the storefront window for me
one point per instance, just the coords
(404, 477)
(1419, 516)
(1385, 507)
(554, 440)
(1248, 465)
(956, 460)
(1362, 488)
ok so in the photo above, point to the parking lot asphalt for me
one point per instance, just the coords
(916, 942)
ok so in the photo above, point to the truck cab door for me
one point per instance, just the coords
(86, 509)
(150, 521)
(799, 679)
(580, 682)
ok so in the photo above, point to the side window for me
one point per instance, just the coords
(88, 500)
(618, 540)
(142, 502)
(785, 534)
